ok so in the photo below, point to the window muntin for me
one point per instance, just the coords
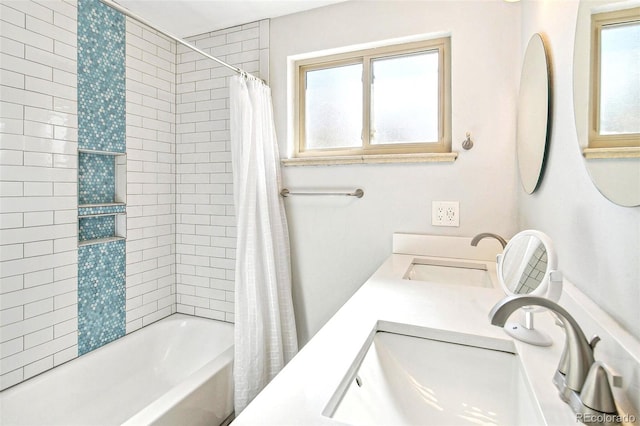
(614, 119)
(404, 102)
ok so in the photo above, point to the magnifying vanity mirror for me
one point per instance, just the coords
(533, 123)
(606, 95)
(528, 265)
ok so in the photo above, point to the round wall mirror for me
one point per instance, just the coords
(528, 265)
(614, 169)
(533, 122)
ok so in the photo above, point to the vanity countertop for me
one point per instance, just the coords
(302, 390)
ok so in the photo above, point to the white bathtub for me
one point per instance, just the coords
(177, 371)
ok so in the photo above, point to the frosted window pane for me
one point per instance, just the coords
(405, 99)
(620, 79)
(333, 102)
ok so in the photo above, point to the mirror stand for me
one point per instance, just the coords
(528, 265)
(527, 333)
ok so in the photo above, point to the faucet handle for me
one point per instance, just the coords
(616, 378)
(596, 392)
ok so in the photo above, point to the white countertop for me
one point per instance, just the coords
(302, 390)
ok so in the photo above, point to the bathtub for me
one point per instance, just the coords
(177, 371)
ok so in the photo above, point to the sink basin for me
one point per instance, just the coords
(412, 380)
(449, 272)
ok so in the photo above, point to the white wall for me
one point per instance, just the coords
(151, 157)
(38, 188)
(598, 242)
(205, 218)
(338, 243)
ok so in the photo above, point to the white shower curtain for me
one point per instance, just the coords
(265, 332)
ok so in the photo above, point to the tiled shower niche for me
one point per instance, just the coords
(101, 196)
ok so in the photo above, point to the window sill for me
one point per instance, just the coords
(621, 152)
(446, 157)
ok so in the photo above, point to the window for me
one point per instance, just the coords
(388, 100)
(614, 105)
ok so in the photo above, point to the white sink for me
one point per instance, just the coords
(411, 380)
(449, 272)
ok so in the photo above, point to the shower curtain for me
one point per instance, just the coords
(265, 333)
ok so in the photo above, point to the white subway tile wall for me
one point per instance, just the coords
(205, 220)
(151, 157)
(38, 200)
(180, 218)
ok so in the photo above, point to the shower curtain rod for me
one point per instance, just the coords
(140, 19)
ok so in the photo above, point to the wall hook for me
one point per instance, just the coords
(467, 143)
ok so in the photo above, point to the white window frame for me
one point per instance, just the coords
(442, 146)
(596, 140)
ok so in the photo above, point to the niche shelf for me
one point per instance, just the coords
(103, 228)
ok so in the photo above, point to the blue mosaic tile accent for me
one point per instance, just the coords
(96, 179)
(92, 228)
(85, 211)
(101, 77)
(101, 294)
(101, 127)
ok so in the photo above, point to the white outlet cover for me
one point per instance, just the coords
(445, 213)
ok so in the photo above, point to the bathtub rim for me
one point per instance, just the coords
(154, 411)
(223, 356)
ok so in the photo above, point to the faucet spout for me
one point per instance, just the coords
(477, 238)
(578, 350)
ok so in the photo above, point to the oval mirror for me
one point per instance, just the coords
(533, 123)
(606, 141)
(528, 265)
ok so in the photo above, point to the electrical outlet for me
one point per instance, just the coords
(445, 213)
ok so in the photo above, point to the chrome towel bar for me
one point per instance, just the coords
(356, 193)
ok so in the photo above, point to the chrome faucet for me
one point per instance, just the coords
(578, 351)
(581, 381)
(477, 238)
